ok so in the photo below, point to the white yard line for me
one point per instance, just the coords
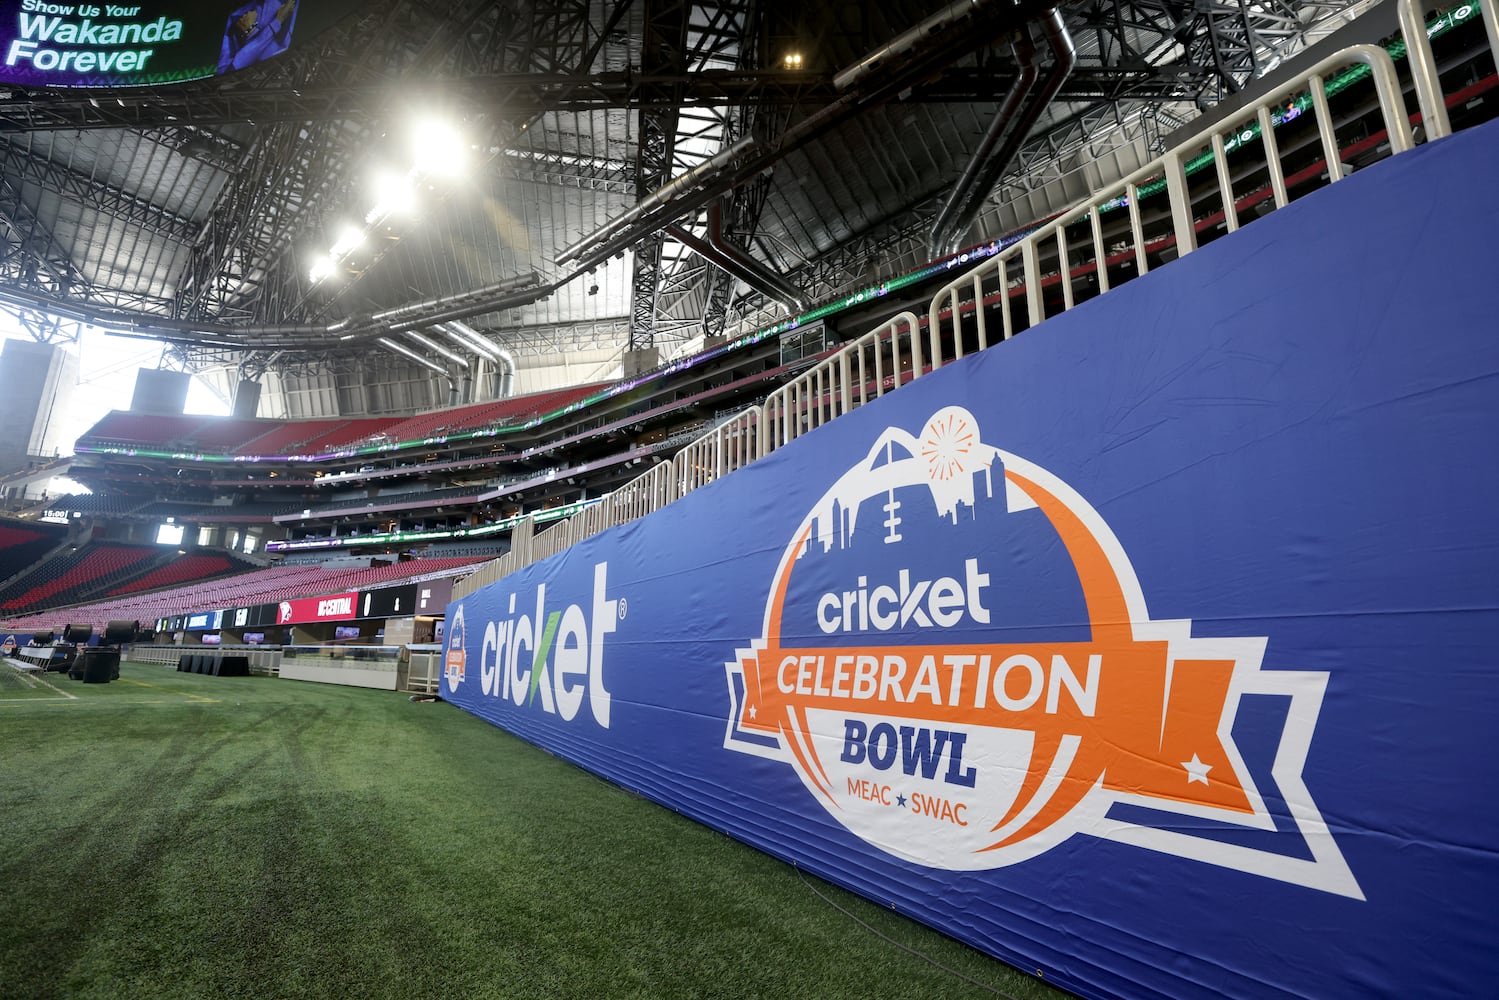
(34, 679)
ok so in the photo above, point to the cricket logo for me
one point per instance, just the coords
(899, 675)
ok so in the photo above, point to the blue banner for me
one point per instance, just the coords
(1150, 650)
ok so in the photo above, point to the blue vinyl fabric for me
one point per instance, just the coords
(1152, 649)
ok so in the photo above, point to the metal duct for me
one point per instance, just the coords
(439, 369)
(495, 292)
(757, 277)
(465, 334)
(474, 337)
(904, 42)
(947, 230)
(415, 315)
(468, 345)
(681, 184)
(506, 374)
(1064, 57)
(436, 348)
(780, 288)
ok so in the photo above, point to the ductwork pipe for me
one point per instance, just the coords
(468, 345)
(904, 42)
(417, 310)
(947, 230)
(464, 334)
(1064, 59)
(506, 375)
(415, 315)
(752, 273)
(436, 348)
(402, 349)
(779, 287)
(679, 185)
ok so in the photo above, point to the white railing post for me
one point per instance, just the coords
(1136, 228)
(918, 362)
(978, 308)
(1181, 203)
(1424, 71)
(1330, 151)
(1064, 268)
(1272, 157)
(1100, 250)
(1034, 299)
(1225, 183)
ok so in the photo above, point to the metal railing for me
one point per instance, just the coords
(949, 304)
(881, 361)
(1429, 95)
(898, 352)
(731, 445)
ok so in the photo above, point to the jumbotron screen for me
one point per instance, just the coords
(61, 43)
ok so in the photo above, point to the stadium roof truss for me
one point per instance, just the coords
(644, 173)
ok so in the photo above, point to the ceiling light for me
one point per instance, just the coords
(438, 149)
(321, 268)
(793, 60)
(349, 239)
(394, 195)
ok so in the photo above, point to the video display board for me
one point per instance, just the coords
(62, 43)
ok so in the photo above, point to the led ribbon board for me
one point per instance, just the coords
(70, 44)
(1151, 649)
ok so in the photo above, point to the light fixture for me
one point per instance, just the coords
(350, 238)
(394, 195)
(793, 60)
(438, 149)
(321, 268)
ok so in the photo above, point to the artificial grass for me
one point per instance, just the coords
(297, 840)
(16, 684)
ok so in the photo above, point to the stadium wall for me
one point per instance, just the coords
(1150, 650)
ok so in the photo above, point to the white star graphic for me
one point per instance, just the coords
(1196, 770)
(753, 711)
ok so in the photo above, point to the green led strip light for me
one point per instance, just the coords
(398, 537)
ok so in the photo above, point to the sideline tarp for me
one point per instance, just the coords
(1152, 649)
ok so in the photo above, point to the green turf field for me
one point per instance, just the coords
(178, 835)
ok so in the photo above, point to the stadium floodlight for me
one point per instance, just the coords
(439, 149)
(394, 195)
(350, 238)
(321, 268)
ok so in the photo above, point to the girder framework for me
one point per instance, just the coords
(694, 75)
(663, 50)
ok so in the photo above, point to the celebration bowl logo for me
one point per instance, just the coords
(453, 666)
(958, 663)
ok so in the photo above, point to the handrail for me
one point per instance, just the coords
(843, 381)
(1423, 63)
(1171, 166)
(731, 445)
(874, 364)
